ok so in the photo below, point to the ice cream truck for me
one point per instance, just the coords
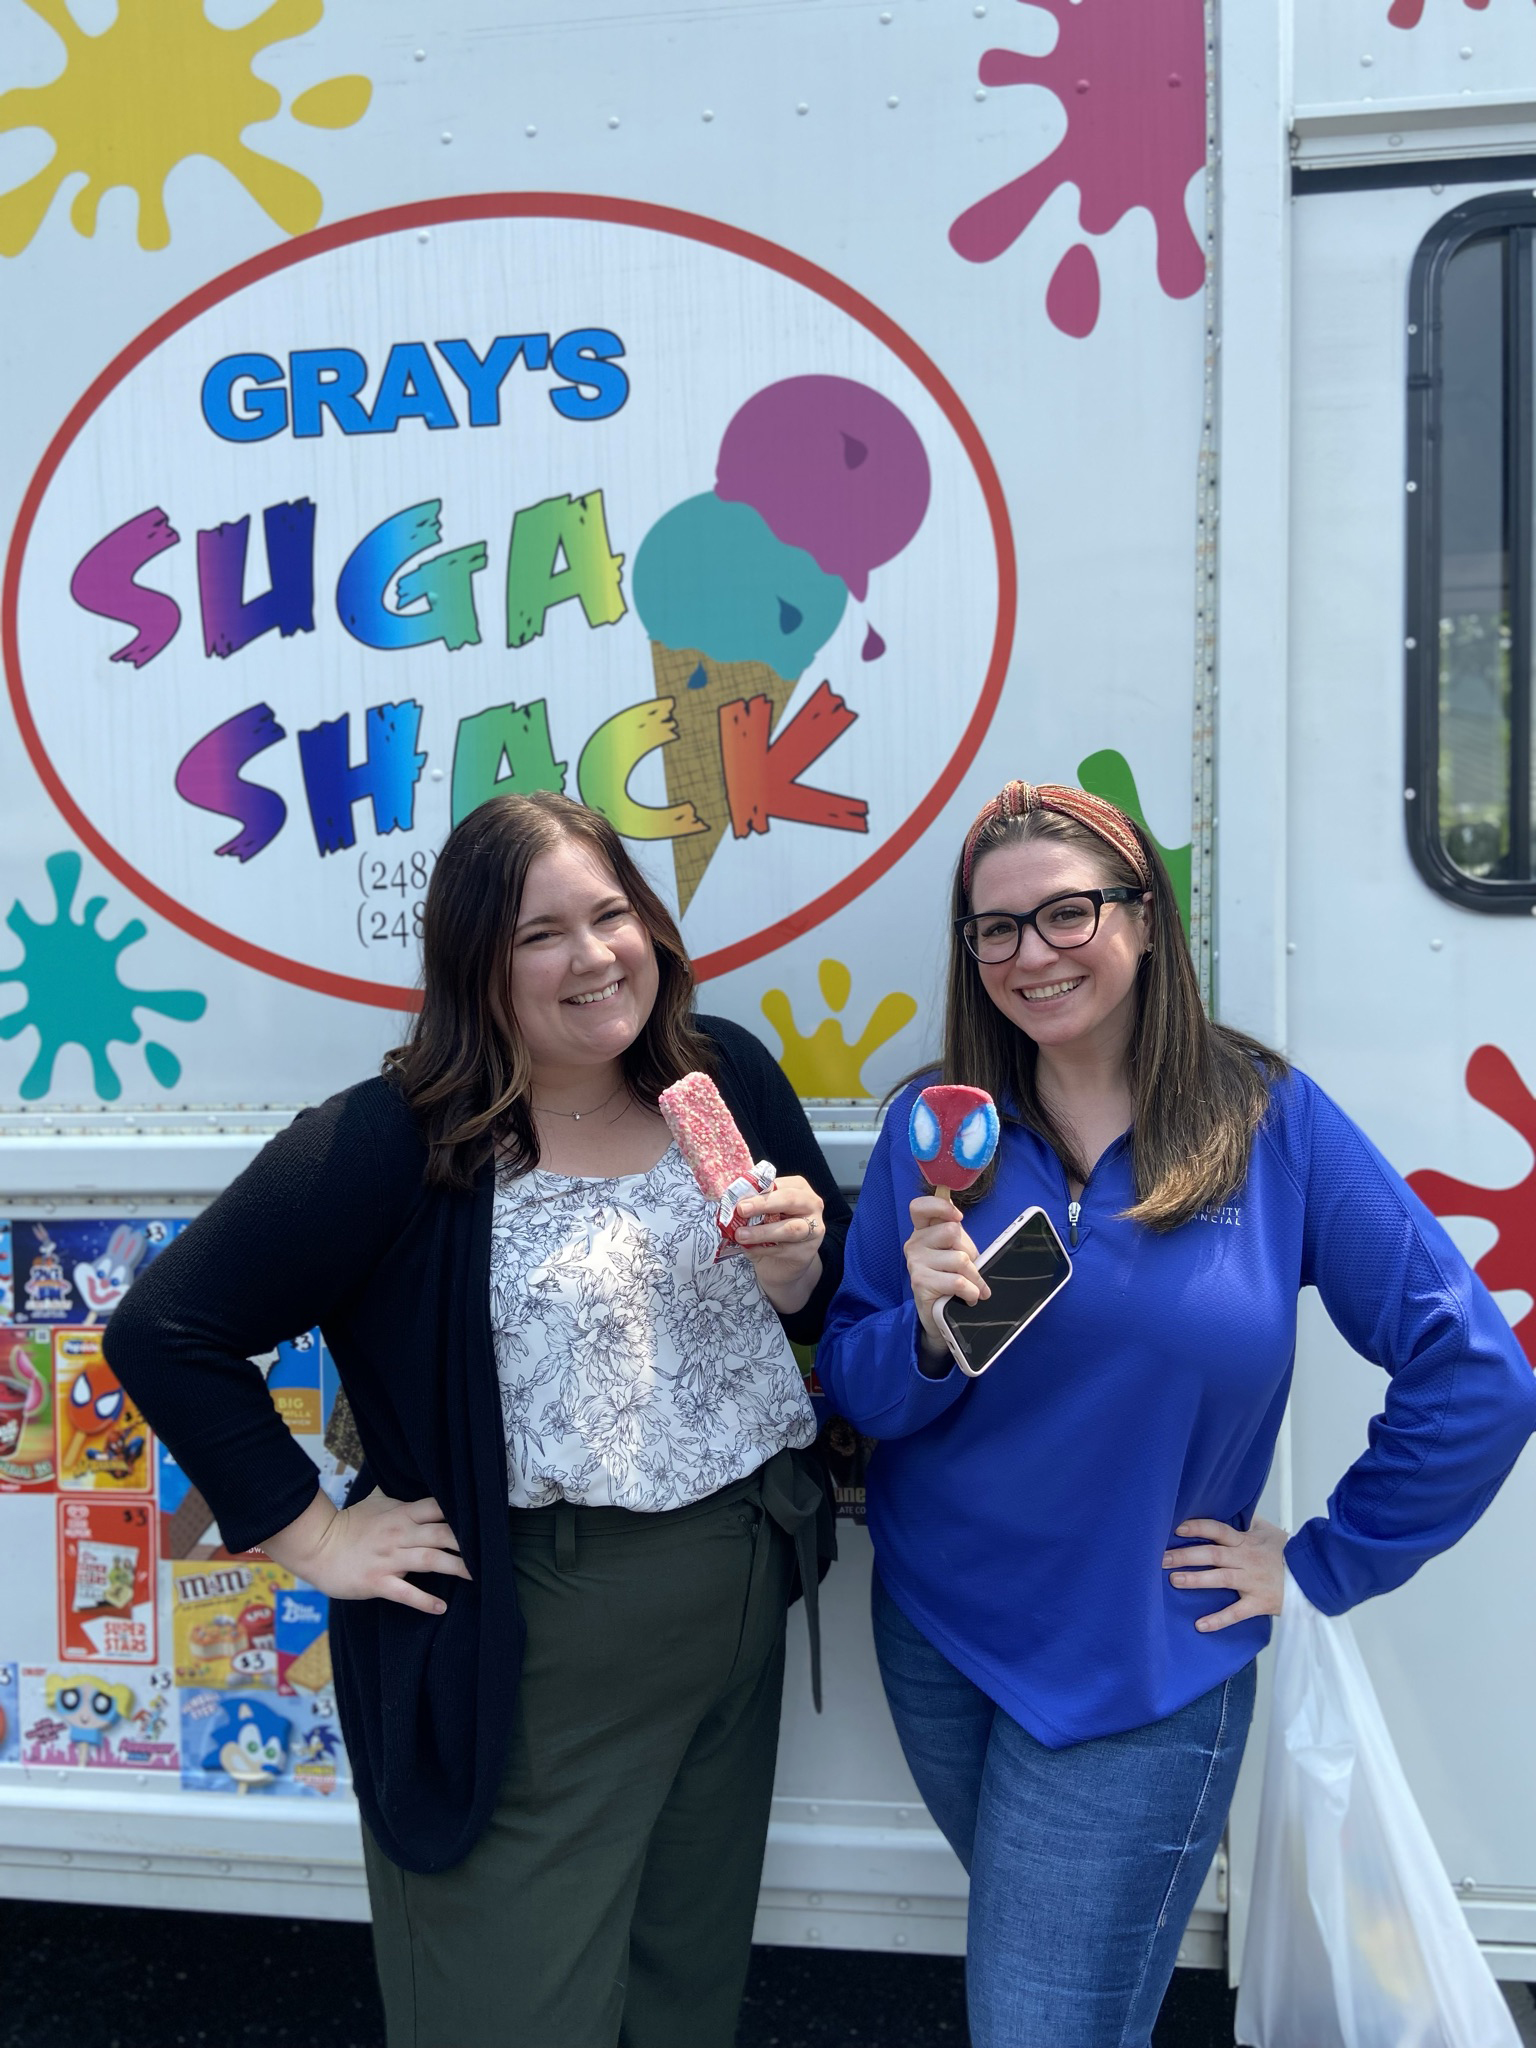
(777, 427)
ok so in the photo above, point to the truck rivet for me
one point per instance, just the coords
(1367, 62)
(421, 56)
(1394, 142)
(981, 92)
(447, 135)
(814, 1899)
(1410, 643)
(1437, 188)
(1465, 50)
(423, 234)
(530, 131)
(901, 1941)
(893, 101)
(613, 120)
(1409, 795)
(1412, 487)
(1437, 945)
(802, 108)
(709, 114)
(885, 21)
(1290, 945)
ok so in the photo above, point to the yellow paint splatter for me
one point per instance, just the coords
(160, 85)
(825, 1063)
(335, 103)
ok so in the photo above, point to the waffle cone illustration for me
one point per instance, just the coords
(698, 686)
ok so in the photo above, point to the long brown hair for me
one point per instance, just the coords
(464, 1070)
(1199, 1090)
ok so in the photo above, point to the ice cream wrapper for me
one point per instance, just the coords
(761, 1179)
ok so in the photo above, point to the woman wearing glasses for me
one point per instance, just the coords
(1071, 1584)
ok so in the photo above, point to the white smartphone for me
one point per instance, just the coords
(1026, 1266)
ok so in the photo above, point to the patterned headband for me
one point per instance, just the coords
(1017, 799)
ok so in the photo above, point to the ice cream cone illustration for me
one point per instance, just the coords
(699, 686)
(820, 480)
(733, 613)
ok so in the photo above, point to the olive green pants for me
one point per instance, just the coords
(610, 1902)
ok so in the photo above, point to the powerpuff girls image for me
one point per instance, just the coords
(90, 1709)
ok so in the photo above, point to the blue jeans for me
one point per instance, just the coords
(1084, 1862)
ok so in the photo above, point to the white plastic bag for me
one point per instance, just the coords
(1355, 1938)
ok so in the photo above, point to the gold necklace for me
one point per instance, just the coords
(576, 1115)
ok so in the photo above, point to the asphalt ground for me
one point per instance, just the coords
(117, 1977)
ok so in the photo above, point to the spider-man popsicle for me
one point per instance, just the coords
(953, 1133)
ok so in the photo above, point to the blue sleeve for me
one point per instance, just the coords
(1461, 1398)
(867, 1358)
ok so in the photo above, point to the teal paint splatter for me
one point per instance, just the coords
(74, 996)
(1108, 774)
(163, 1064)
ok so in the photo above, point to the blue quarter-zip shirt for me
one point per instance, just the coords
(1020, 1520)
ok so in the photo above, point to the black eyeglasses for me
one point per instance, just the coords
(993, 936)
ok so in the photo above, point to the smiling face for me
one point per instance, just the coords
(1080, 996)
(583, 972)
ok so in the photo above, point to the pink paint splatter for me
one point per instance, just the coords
(1510, 1262)
(1072, 296)
(1130, 75)
(873, 646)
(1409, 13)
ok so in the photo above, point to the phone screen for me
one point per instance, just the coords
(1023, 1273)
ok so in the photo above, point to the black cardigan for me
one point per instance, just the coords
(332, 1225)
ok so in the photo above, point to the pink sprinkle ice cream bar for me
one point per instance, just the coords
(714, 1150)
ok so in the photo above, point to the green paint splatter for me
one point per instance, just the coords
(74, 996)
(1108, 774)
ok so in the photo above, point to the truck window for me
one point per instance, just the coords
(1471, 397)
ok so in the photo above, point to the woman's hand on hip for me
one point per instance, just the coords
(941, 1264)
(364, 1552)
(782, 1233)
(1248, 1562)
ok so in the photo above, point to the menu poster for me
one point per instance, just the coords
(107, 1569)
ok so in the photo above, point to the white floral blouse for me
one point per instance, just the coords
(635, 1371)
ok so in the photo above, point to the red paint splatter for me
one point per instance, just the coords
(1409, 13)
(1072, 296)
(1130, 75)
(1511, 1261)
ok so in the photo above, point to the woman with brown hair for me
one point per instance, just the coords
(1071, 1584)
(560, 1582)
